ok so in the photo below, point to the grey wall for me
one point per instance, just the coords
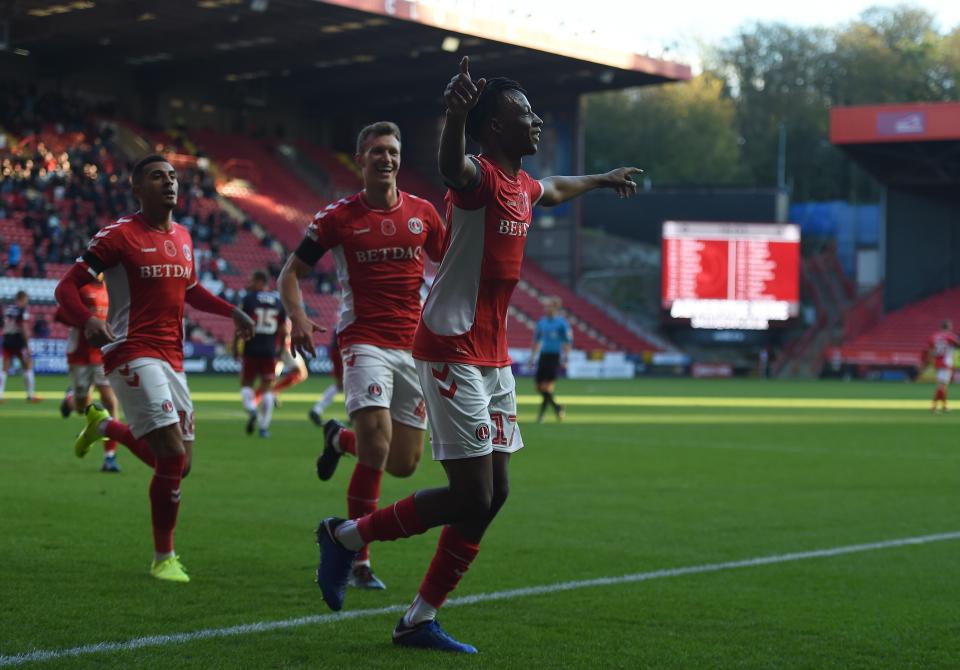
(922, 244)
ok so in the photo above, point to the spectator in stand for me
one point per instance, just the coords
(41, 329)
(13, 257)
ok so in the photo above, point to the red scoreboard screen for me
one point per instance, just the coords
(731, 275)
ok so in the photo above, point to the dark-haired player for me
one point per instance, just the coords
(552, 340)
(260, 352)
(16, 344)
(379, 238)
(147, 260)
(940, 348)
(461, 348)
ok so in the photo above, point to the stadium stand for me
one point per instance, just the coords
(244, 205)
(900, 338)
(592, 325)
(825, 286)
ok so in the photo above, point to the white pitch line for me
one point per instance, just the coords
(265, 626)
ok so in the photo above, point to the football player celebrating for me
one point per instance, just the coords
(461, 348)
(147, 260)
(379, 238)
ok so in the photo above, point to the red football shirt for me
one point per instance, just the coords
(942, 343)
(465, 315)
(148, 272)
(379, 258)
(79, 351)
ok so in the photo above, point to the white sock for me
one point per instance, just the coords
(3, 382)
(102, 426)
(325, 399)
(29, 382)
(349, 536)
(249, 399)
(419, 611)
(162, 557)
(266, 410)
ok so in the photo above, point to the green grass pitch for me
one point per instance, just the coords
(644, 476)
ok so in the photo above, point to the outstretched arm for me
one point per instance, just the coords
(302, 328)
(557, 190)
(199, 297)
(461, 96)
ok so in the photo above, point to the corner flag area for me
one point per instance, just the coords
(664, 523)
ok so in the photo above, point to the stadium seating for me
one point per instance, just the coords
(900, 338)
(282, 203)
(593, 328)
(252, 175)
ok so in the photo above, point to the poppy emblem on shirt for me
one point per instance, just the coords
(375, 390)
(483, 432)
(388, 227)
(415, 226)
(187, 253)
(167, 406)
(169, 248)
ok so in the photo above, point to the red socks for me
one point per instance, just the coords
(165, 501)
(348, 441)
(287, 381)
(363, 496)
(391, 523)
(452, 559)
(121, 433)
(940, 395)
(109, 447)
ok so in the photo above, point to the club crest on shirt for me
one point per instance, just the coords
(483, 432)
(388, 227)
(169, 248)
(415, 226)
(187, 253)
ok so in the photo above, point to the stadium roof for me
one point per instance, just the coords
(911, 145)
(319, 48)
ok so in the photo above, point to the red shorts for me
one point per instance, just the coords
(265, 368)
(10, 354)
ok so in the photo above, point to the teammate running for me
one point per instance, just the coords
(16, 344)
(378, 238)
(291, 368)
(461, 348)
(552, 340)
(147, 260)
(260, 352)
(319, 407)
(940, 347)
(86, 368)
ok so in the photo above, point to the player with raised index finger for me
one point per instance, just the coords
(461, 348)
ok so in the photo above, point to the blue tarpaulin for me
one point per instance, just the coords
(853, 227)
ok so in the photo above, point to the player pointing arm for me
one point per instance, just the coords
(461, 351)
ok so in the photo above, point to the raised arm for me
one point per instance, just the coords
(461, 96)
(557, 190)
(302, 330)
